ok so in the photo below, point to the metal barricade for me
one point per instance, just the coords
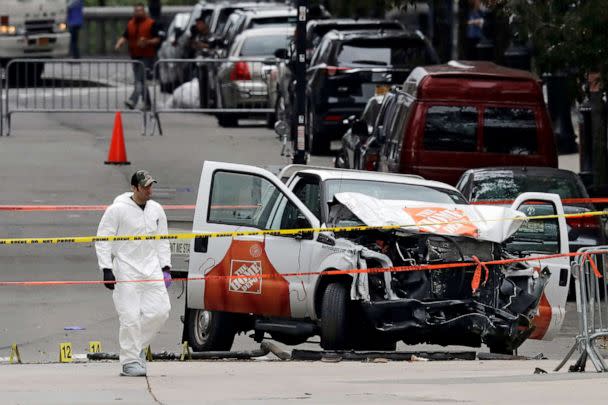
(229, 88)
(73, 85)
(589, 271)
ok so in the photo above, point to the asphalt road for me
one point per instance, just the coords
(58, 159)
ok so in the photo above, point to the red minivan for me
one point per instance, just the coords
(464, 115)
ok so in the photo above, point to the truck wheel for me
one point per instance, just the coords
(500, 348)
(25, 74)
(335, 317)
(209, 330)
(271, 118)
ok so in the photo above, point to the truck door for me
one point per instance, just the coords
(245, 274)
(540, 238)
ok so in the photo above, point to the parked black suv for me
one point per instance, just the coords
(347, 68)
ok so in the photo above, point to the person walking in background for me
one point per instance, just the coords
(143, 39)
(75, 19)
(474, 32)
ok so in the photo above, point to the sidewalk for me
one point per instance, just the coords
(475, 382)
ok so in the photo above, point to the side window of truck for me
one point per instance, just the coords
(241, 199)
(308, 191)
(450, 128)
(510, 131)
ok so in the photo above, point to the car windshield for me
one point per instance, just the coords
(507, 185)
(264, 45)
(392, 191)
(382, 52)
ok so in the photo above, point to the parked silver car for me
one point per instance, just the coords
(242, 81)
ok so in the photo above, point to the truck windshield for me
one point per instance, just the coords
(392, 191)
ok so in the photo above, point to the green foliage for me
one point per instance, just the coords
(566, 35)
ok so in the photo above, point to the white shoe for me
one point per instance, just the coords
(133, 369)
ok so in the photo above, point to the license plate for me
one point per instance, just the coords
(382, 90)
(43, 41)
(180, 247)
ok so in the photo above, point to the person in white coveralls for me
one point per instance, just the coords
(143, 307)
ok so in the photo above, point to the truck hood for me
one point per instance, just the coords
(482, 222)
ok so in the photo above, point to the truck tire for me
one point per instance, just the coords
(25, 74)
(335, 322)
(209, 330)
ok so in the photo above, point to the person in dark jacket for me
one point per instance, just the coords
(75, 18)
(154, 8)
(142, 37)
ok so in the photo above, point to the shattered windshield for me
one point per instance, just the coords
(506, 185)
(392, 191)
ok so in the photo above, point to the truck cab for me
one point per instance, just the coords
(273, 278)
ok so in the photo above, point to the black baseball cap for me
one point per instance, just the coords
(142, 178)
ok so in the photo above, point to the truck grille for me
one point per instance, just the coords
(39, 26)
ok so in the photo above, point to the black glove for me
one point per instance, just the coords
(108, 276)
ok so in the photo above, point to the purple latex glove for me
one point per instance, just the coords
(167, 276)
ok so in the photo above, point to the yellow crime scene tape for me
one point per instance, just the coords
(272, 232)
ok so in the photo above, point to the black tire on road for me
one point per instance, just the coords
(227, 120)
(271, 118)
(209, 330)
(500, 348)
(25, 73)
(335, 322)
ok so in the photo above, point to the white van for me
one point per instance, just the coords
(33, 29)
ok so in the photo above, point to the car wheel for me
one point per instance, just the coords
(500, 348)
(271, 118)
(209, 330)
(227, 120)
(335, 321)
(25, 73)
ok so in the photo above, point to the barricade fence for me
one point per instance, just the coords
(592, 308)
(229, 88)
(73, 86)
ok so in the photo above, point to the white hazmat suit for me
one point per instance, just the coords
(144, 307)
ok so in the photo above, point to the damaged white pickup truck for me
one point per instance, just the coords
(368, 310)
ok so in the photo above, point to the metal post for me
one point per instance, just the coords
(585, 141)
(298, 123)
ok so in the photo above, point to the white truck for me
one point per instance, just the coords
(279, 284)
(32, 29)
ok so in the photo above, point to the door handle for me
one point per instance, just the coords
(201, 244)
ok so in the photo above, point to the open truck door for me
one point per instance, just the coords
(542, 237)
(244, 274)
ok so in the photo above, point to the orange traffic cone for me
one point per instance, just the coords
(118, 152)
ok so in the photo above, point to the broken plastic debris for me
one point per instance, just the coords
(74, 328)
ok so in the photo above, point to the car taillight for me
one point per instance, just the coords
(584, 223)
(240, 71)
(333, 70)
(371, 159)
